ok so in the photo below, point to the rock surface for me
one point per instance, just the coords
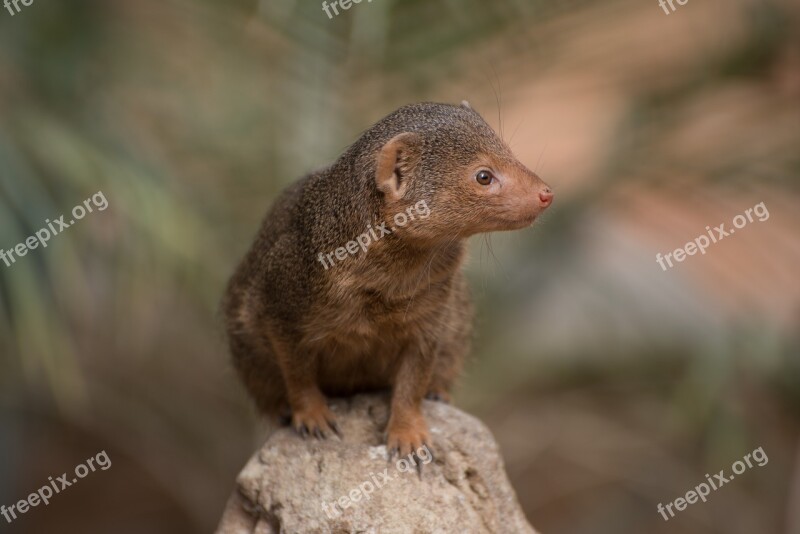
(296, 486)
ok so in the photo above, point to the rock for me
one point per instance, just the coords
(347, 486)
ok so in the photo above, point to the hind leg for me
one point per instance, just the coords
(447, 369)
(258, 369)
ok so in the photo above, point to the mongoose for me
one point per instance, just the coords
(396, 315)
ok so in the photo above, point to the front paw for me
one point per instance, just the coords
(316, 420)
(406, 435)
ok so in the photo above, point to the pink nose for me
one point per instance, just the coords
(546, 197)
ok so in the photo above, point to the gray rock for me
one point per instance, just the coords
(347, 486)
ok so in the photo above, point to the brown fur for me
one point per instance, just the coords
(397, 316)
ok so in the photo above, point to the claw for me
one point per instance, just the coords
(419, 466)
(335, 428)
(303, 430)
(392, 452)
(319, 434)
(438, 397)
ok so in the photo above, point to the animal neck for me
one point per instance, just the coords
(400, 269)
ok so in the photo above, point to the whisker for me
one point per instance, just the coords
(536, 169)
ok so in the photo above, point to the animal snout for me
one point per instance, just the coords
(545, 197)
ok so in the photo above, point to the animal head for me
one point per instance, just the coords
(446, 162)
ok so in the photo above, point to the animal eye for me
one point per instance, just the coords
(484, 177)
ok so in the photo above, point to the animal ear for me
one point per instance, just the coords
(396, 161)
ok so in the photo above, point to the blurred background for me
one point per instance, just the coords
(610, 384)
